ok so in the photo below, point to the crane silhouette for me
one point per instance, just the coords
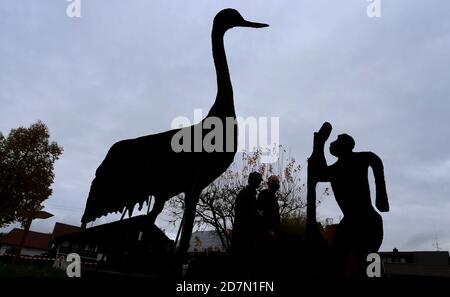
(136, 169)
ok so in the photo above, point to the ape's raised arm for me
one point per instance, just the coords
(317, 164)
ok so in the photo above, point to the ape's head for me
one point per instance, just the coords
(342, 146)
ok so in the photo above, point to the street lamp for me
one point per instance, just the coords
(29, 215)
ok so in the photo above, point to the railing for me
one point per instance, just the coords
(81, 252)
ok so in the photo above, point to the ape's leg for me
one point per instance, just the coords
(188, 223)
(156, 209)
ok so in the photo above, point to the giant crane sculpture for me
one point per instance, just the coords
(136, 169)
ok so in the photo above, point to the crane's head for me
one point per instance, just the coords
(230, 18)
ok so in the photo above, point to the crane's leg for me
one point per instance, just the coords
(188, 223)
(156, 209)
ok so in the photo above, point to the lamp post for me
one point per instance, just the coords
(30, 215)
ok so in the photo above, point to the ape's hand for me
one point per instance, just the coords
(382, 203)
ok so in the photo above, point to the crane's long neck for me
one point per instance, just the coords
(224, 104)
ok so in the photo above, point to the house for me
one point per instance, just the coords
(129, 245)
(416, 263)
(36, 243)
(406, 264)
(62, 229)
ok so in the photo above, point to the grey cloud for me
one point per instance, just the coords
(127, 69)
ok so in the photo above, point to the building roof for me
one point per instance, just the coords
(393, 253)
(36, 240)
(63, 229)
(113, 232)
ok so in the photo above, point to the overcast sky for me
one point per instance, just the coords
(127, 68)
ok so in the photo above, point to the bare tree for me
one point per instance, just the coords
(217, 202)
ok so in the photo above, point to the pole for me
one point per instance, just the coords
(24, 237)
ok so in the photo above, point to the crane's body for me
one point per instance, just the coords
(136, 169)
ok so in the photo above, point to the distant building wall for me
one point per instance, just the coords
(202, 241)
(25, 251)
(416, 263)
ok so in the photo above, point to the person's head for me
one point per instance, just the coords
(254, 179)
(342, 146)
(273, 183)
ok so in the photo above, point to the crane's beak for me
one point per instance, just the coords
(253, 24)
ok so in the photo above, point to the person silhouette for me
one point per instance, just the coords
(269, 209)
(360, 232)
(269, 229)
(243, 240)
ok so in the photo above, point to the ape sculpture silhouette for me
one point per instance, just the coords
(360, 232)
(136, 169)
